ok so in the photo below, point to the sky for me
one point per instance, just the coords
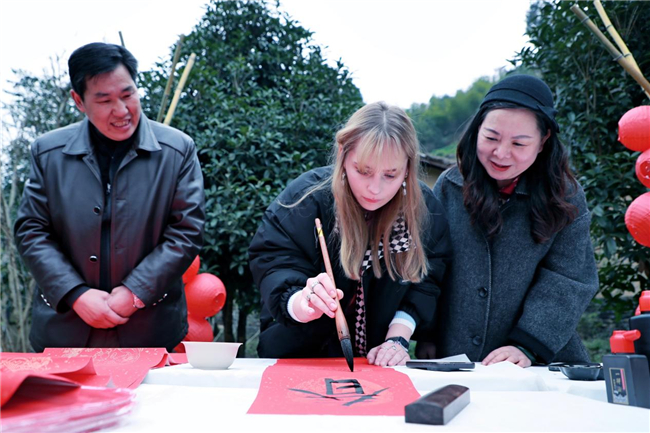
(399, 51)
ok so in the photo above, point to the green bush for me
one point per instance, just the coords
(263, 106)
(38, 105)
(592, 92)
(440, 123)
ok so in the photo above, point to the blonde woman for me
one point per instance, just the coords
(387, 237)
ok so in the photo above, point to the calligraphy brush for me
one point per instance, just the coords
(341, 323)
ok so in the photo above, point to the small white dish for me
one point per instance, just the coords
(211, 355)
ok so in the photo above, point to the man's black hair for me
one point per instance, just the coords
(98, 58)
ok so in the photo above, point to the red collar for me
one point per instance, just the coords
(509, 189)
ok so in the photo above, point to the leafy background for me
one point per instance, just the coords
(263, 105)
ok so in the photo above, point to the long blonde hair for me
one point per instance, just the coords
(374, 131)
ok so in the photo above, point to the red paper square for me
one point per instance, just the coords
(327, 387)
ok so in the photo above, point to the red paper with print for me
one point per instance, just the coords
(16, 367)
(126, 366)
(11, 382)
(327, 387)
(40, 390)
(44, 401)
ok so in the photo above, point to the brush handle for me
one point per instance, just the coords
(341, 323)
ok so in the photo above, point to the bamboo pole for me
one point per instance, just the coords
(616, 55)
(614, 34)
(179, 89)
(121, 38)
(170, 80)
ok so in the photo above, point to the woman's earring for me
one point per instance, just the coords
(343, 178)
(404, 187)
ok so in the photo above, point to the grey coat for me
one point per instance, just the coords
(156, 230)
(511, 289)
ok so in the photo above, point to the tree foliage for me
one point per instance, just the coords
(262, 105)
(439, 123)
(592, 93)
(38, 104)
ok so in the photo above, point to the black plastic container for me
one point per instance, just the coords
(627, 380)
(627, 375)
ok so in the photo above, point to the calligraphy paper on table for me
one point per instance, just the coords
(126, 366)
(11, 382)
(50, 403)
(16, 367)
(327, 387)
(177, 358)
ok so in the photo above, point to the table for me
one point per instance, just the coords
(504, 397)
(177, 408)
(505, 376)
(557, 381)
(243, 373)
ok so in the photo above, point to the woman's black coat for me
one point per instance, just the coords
(285, 252)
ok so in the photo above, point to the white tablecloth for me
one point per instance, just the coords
(557, 381)
(165, 408)
(505, 376)
(504, 398)
(243, 373)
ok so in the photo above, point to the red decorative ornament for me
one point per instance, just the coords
(643, 168)
(206, 295)
(634, 129)
(637, 219)
(199, 330)
(192, 270)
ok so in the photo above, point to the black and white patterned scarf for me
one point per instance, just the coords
(400, 241)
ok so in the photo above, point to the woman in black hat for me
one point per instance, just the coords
(523, 269)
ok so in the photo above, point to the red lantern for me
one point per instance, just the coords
(643, 168)
(637, 219)
(192, 270)
(205, 295)
(199, 330)
(634, 128)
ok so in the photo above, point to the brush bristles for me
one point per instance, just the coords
(346, 345)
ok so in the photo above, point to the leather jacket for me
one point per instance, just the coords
(157, 205)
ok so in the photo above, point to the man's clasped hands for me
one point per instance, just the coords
(104, 310)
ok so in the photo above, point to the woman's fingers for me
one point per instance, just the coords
(328, 306)
(524, 362)
(388, 354)
(305, 302)
(507, 353)
(325, 287)
(495, 356)
(372, 355)
(320, 293)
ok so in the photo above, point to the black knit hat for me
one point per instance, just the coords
(527, 91)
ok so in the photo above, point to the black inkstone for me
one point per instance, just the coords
(438, 407)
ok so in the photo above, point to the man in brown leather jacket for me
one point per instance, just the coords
(111, 216)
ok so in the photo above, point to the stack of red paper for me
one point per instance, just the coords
(49, 403)
(73, 390)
